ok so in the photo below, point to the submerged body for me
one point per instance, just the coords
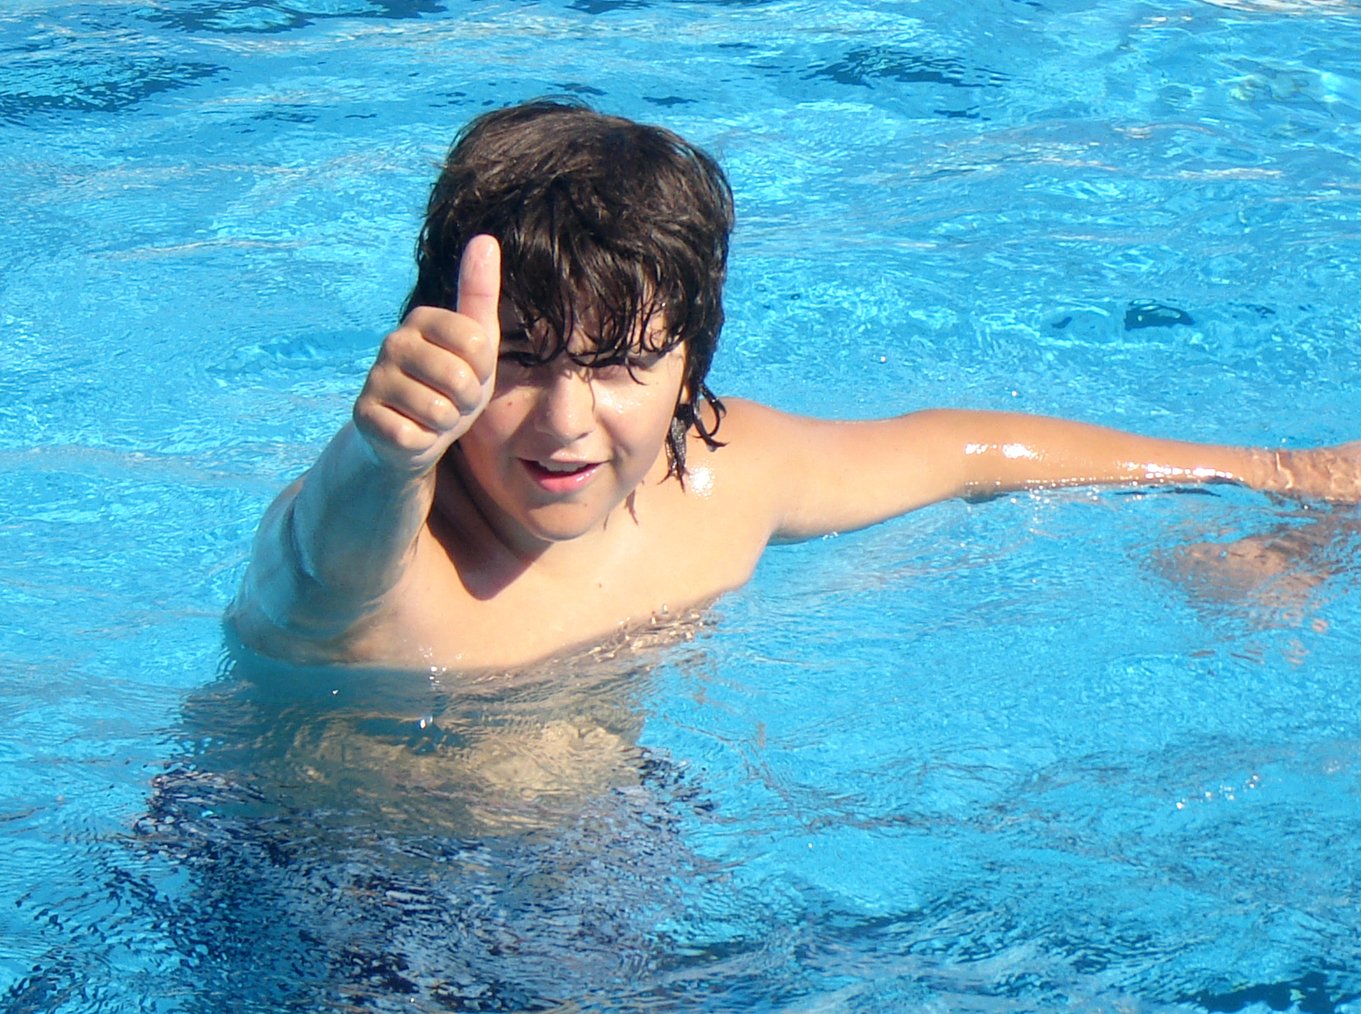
(528, 473)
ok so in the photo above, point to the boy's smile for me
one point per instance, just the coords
(561, 476)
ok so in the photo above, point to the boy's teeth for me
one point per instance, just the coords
(561, 466)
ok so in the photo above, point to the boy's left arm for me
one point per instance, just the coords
(839, 476)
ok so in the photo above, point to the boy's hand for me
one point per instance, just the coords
(1323, 473)
(434, 374)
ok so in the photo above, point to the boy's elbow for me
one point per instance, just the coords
(280, 609)
(284, 631)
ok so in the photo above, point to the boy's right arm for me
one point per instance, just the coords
(339, 539)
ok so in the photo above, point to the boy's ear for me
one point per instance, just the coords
(683, 398)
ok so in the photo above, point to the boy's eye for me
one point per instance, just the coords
(520, 357)
(639, 362)
(517, 350)
(620, 368)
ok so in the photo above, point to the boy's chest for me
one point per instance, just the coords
(457, 619)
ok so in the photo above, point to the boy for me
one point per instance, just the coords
(535, 461)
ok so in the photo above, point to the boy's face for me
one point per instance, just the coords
(560, 445)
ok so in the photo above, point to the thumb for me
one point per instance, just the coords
(479, 284)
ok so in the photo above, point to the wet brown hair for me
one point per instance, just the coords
(604, 224)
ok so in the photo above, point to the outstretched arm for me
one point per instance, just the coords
(338, 539)
(838, 476)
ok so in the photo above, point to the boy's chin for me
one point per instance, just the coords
(560, 523)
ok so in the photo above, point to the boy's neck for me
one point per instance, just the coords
(490, 553)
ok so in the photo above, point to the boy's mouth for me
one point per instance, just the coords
(560, 476)
(563, 467)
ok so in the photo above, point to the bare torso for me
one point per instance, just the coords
(464, 600)
(666, 556)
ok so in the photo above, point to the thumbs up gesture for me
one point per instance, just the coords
(434, 375)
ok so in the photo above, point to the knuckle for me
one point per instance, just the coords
(367, 412)
(401, 344)
(461, 384)
(409, 437)
(441, 411)
(376, 379)
(421, 317)
(477, 347)
(486, 357)
(385, 425)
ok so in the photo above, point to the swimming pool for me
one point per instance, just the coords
(1054, 751)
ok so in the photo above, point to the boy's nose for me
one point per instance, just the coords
(567, 405)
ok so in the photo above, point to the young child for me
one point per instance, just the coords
(535, 461)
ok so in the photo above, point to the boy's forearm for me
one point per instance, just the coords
(1002, 452)
(355, 520)
(335, 541)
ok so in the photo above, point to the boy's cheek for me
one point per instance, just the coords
(494, 425)
(508, 395)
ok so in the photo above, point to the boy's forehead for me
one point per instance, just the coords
(587, 326)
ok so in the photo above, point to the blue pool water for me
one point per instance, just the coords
(1058, 751)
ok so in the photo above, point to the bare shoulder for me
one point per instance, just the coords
(753, 418)
(775, 473)
(759, 431)
(738, 472)
(753, 437)
(814, 476)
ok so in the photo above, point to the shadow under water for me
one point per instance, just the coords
(349, 838)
